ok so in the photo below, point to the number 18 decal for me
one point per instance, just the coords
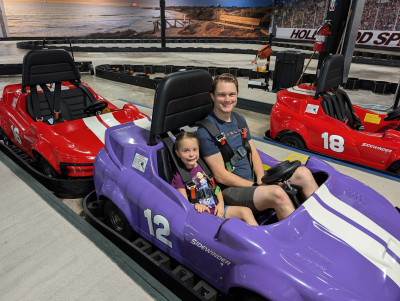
(163, 231)
(333, 142)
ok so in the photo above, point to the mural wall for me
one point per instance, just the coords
(133, 18)
(297, 19)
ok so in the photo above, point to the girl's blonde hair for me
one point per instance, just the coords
(184, 135)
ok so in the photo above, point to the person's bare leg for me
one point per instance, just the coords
(303, 177)
(243, 213)
(273, 196)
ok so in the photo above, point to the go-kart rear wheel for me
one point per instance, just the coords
(116, 219)
(47, 169)
(293, 140)
(2, 134)
(244, 295)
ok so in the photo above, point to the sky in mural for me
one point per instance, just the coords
(238, 3)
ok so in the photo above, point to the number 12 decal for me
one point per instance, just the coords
(163, 231)
(333, 142)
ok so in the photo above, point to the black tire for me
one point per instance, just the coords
(244, 295)
(47, 169)
(117, 221)
(7, 141)
(2, 134)
(293, 140)
(91, 69)
(394, 168)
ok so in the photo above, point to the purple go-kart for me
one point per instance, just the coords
(342, 243)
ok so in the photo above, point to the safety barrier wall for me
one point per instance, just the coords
(360, 56)
(131, 74)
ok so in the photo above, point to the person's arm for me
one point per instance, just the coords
(220, 208)
(183, 192)
(216, 164)
(257, 163)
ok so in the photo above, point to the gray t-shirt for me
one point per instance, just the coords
(209, 146)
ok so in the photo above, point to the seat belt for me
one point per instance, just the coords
(230, 157)
(339, 101)
(85, 90)
(185, 175)
(53, 100)
(357, 124)
(36, 103)
(336, 107)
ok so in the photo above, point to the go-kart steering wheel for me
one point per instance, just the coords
(393, 114)
(95, 107)
(280, 172)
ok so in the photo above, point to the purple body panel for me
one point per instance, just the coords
(340, 244)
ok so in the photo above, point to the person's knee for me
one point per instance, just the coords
(302, 176)
(246, 211)
(279, 196)
(303, 172)
(270, 196)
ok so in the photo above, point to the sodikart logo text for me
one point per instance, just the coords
(377, 147)
(209, 251)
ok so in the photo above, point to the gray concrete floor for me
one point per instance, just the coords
(43, 256)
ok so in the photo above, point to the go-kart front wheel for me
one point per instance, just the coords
(3, 136)
(293, 140)
(47, 169)
(116, 219)
(394, 167)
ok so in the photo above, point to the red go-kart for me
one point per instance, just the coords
(322, 119)
(56, 120)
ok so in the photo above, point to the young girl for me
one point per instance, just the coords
(187, 149)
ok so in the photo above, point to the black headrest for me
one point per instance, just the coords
(331, 73)
(48, 66)
(181, 99)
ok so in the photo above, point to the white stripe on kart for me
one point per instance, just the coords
(96, 127)
(144, 123)
(109, 119)
(329, 199)
(301, 91)
(355, 238)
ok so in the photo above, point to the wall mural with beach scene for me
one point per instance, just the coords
(137, 18)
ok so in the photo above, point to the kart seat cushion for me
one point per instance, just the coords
(165, 164)
(73, 103)
(48, 66)
(44, 107)
(331, 73)
(337, 104)
(181, 99)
